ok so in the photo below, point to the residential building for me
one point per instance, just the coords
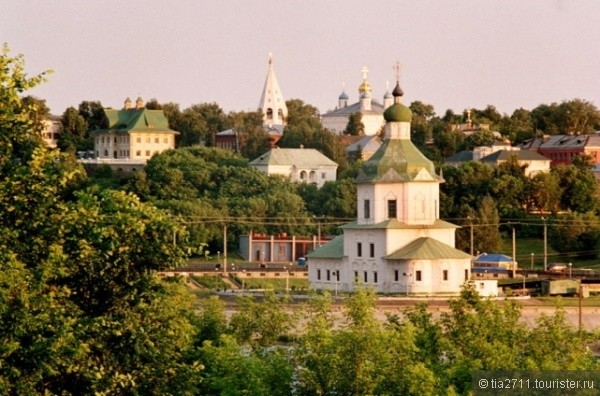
(131, 136)
(561, 149)
(497, 154)
(299, 165)
(362, 147)
(397, 244)
(51, 132)
(371, 111)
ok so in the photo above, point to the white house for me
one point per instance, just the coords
(397, 244)
(299, 165)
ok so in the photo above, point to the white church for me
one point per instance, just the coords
(397, 244)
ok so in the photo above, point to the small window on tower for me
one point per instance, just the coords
(367, 208)
(269, 114)
(392, 205)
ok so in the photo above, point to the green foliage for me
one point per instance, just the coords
(260, 324)
(576, 233)
(355, 126)
(19, 133)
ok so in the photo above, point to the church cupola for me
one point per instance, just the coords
(343, 98)
(364, 91)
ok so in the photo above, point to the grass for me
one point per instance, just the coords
(525, 246)
(276, 284)
(210, 282)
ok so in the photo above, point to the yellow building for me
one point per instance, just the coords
(132, 135)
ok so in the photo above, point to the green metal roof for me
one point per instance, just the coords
(333, 249)
(397, 161)
(136, 120)
(397, 113)
(303, 158)
(394, 224)
(426, 248)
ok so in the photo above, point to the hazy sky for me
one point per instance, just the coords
(455, 54)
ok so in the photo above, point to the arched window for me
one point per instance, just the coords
(269, 114)
(312, 176)
(106, 153)
(303, 175)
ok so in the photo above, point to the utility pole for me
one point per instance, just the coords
(225, 248)
(580, 313)
(545, 245)
(471, 222)
(514, 252)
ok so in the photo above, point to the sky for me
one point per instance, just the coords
(454, 54)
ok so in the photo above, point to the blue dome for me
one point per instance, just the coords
(343, 96)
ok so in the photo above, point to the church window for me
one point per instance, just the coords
(147, 153)
(396, 275)
(466, 274)
(280, 114)
(366, 276)
(303, 175)
(374, 276)
(367, 208)
(138, 153)
(323, 175)
(337, 275)
(445, 275)
(418, 276)
(359, 249)
(106, 153)
(392, 204)
(318, 274)
(355, 276)
(269, 114)
(371, 250)
(328, 275)
(138, 139)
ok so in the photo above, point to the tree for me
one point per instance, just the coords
(577, 234)
(19, 134)
(38, 110)
(73, 131)
(355, 126)
(81, 311)
(93, 114)
(579, 188)
(477, 139)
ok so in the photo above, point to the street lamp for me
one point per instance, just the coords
(219, 257)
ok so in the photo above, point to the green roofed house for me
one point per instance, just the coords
(299, 165)
(397, 244)
(131, 136)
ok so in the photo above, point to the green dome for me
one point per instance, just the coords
(397, 113)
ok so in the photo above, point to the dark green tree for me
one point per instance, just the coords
(355, 126)
(73, 131)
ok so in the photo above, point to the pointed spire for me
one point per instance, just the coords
(272, 103)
